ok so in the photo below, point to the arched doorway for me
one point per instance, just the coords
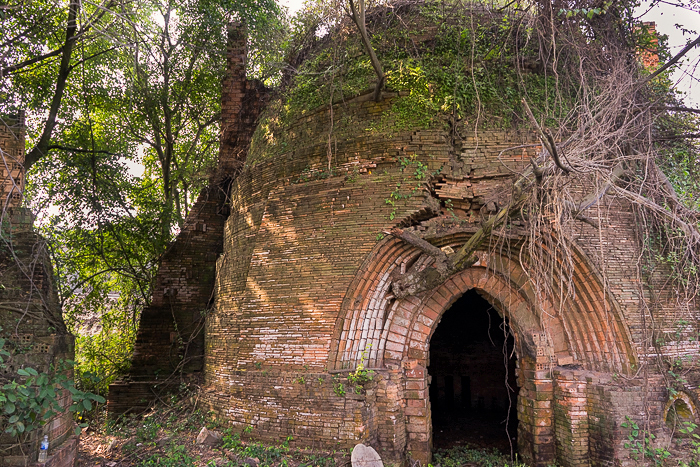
(393, 335)
(471, 366)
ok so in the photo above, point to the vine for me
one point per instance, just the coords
(639, 442)
(415, 181)
(30, 400)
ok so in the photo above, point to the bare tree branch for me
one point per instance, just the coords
(546, 138)
(358, 16)
(593, 198)
(671, 62)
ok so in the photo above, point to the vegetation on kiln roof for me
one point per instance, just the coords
(449, 61)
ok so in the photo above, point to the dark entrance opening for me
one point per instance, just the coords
(473, 389)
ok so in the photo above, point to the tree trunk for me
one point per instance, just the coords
(42, 146)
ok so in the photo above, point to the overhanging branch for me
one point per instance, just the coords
(419, 279)
(671, 62)
(358, 16)
(546, 138)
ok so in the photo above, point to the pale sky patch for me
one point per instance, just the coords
(666, 17)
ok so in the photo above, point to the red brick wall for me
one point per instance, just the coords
(302, 288)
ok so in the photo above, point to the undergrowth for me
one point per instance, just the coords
(165, 436)
(465, 455)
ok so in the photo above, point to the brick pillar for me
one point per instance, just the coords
(418, 427)
(12, 136)
(242, 100)
(233, 90)
(535, 427)
(391, 426)
(571, 418)
(170, 336)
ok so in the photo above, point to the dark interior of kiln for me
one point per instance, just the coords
(473, 391)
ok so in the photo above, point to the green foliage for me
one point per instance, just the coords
(267, 455)
(639, 442)
(105, 355)
(175, 456)
(143, 90)
(30, 399)
(267, 25)
(178, 417)
(338, 387)
(666, 249)
(587, 12)
(689, 430)
(148, 429)
(678, 161)
(103, 251)
(300, 380)
(466, 455)
(445, 66)
(360, 376)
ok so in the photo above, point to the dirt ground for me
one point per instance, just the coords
(166, 437)
(100, 449)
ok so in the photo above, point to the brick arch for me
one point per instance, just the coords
(393, 336)
(531, 339)
(586, 329)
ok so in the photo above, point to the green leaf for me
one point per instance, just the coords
(22, 372)
(9, 408)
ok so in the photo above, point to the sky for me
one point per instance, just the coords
(666, 17)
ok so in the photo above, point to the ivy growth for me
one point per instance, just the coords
(31, 399)
(409, 186)
(639, 442)
(689, 430)
(441, 67)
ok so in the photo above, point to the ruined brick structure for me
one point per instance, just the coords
(30, 313)
(650, 56)
(302, 294)
(170, 340)
(12, 131)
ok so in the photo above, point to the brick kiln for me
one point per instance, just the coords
(290, 260)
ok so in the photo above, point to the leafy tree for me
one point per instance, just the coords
(110, 86)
